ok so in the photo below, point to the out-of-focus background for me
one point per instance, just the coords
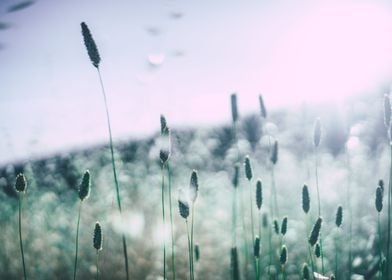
(183, 59)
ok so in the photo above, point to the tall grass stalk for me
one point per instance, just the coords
(95, 58)
(338, 223)
(379, 206)
(171, 221)
(387, 122)
(350, 219)
(163, 220)
(235, 182)
(259, 202)
(20, 187)
(183, 207)
(77, 241)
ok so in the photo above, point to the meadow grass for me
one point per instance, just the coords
(20, 187)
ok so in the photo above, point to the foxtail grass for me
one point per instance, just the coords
(95, 59)
(194, 189)
(234, 264)
(259, 203)
(235, 182)
(20, 187)
(97, 243)
(183, 207)
(338, 223)
(388, 125)
(379, 206)
(283, 260)
(84, 192)
(256, 254)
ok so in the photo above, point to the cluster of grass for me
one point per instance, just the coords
(256, 233)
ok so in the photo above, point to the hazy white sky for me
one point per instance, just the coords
(292, 52)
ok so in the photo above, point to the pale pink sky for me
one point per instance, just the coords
(293, 52)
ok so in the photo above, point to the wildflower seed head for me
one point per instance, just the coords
(20, 183)
(84, 188)
(283, 255)
(317, 133)
(234, 266)
(274, 155)
(305, 272)
(236, 175)
(248, 168)
(259, 194)
(183, 206)
(91, 47)
(197, 252)
(276, 226)
(193, 186)
(305, 199)
(317, 250)
(387, 111)
(379, 197)
(339, 216)
(256, 247)
(315, 232)
(263, 110)
(234, 108)
(98, 237)
(265, 220)
(283, 228)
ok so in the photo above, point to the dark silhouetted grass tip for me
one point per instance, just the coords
(84, 188)
(305, 199)
(248, 168)
(387, 111)
(265, 220)
(276, 226)
(274, 155)
(381, 185)
(259, 194)
(339, 216)
(332, 277)
(91, 47)
(283, 255)
(317, 133)
(98, 236)
(256, 247)
(234, 107)
(283, 228)
(197, 252)
(317, 250)
(305, 272)
(194, 186)
(263, 110)
(20, 183)
(234, 265)
(164, 128)
(236, 175)
(183, 207)
(379, 196)
(315, 232)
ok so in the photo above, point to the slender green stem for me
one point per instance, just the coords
(274, 191)
(389, 217)
(189, 251)
(259, 259)
(380, 276)
(234, 218)
(20, 236)
(311, 261)
(283, 272)
(319, 209)
(77, 241)
(114, 171)
(336, 254)
(192, 245)
(269, 250)
(163, 222)
(350, 220)
(246, 242)
(252, 222)
(171, 222)
(97, 264)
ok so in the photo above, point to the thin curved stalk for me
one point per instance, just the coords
(311, 261)
(77, 241)
(193, 215)
(380, 276)
(171, 222)
(252, 222)
(189, 250)
(20, 236)
(163, 222)
(389, 217)
(259, 258)
(283, 272)
(114, 171)
(234, 218)
(336, 255)
(246, 242)
(319, 209)
(97, 264)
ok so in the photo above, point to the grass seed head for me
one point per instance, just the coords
(236, 175)
(20, 183)
(98, 237)
(317, 250)
(259, 194)
(234, 107)
(248, 168)
(165, 146)
(276, 226)
(387, 111)
(379, 197)
(164, 127)
(234, 265)
(339, 216)
(91, 47)
(305, 272)
(263, 110)
(305, 199)
(183, 206)
(283, 255)
(317, 133)
(283, 228)
(84, 188)
(274, 155)
(197, 252)
(381, 184)
(194, 186)
(256, 247)
(315, 232)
